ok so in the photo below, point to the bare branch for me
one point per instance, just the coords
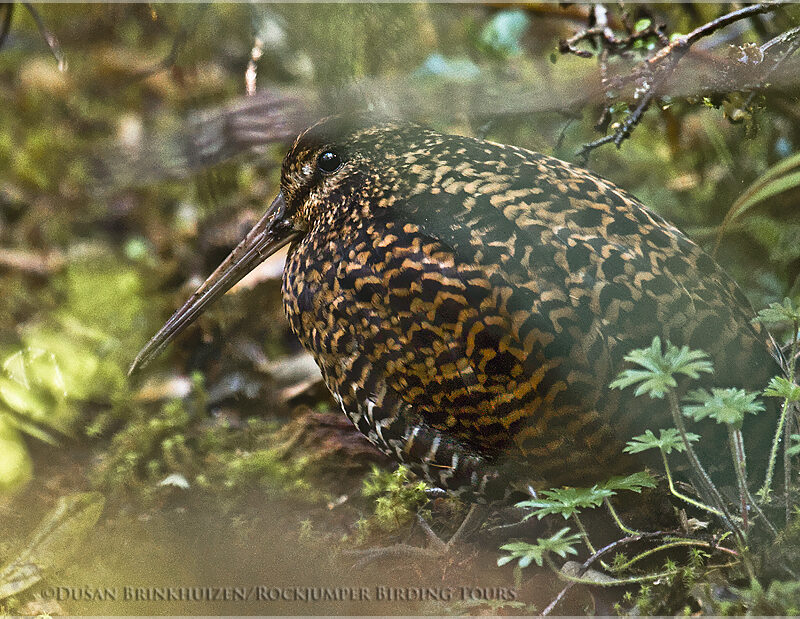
(790, 38)
(52, 42)
(6, 26)
(651, 73)
(177, 43)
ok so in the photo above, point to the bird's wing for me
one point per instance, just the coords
(580, 274)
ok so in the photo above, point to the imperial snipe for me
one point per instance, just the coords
(469, 302)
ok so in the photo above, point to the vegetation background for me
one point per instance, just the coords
(227, 463)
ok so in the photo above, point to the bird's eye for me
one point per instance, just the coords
(328, 162)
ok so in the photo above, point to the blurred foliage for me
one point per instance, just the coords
(53, 542)
(89, 269)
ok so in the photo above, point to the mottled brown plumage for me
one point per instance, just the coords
(468, 303)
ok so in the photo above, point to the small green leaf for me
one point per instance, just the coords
(565, 501)
(657, 377)
(727, 406)
(780, 387)
(668, 440)
(635, 482)
(560, 544)
(779, 313)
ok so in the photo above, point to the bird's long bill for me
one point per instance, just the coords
(271, 233)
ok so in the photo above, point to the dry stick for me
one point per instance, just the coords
(49, 37)
(6, 27)
(705, 480)
(682, 44)
(737, 451)
(611, 582)
(586, 564)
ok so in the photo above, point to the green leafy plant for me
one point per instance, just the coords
(656, 378)
(565, 502)
(777, 314)
(525, 553)
(729, 407)
(668, 439)
(634, 482)
(569, 502)
(75, 358)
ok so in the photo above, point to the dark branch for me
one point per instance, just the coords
(650, 73)
(177, 43)
(52, 42)
(6, 26)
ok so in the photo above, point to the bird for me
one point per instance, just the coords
(469, 302)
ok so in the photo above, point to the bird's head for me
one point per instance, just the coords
(327, 164)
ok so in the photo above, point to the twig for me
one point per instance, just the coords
(252, 67)
(613, 546)
(705, 480)
(605, 38)
(652, 72)
(583, 153)
(172, 57)
(610, 582)
(49, 37)
(726, 20)
(6, 27)
(794, 44)
(30, 262)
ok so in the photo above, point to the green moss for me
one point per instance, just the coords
(396, 499)
(267, 468)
